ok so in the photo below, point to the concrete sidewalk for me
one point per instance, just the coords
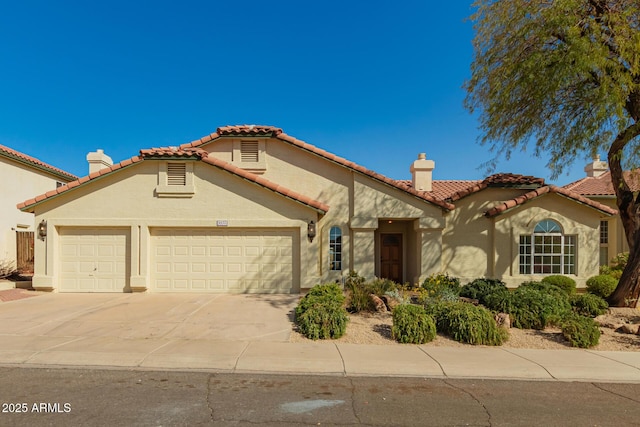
(250, 333)
(325, 358)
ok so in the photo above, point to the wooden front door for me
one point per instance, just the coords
(391, 257)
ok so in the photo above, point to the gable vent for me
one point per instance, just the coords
(177, 174)
(249, 151)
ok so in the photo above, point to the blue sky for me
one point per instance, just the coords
(375, 84)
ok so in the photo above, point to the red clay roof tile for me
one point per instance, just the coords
(274, 132)
(32, 161)
(601, 185)
(182, 152)
(522, 199)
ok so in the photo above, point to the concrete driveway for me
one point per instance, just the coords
(246, 317)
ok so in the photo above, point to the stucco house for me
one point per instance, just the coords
(252, 209)
(597, 186)
(22, 176)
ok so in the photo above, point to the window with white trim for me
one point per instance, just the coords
(335, 249)
(547, 250)
(604, 242)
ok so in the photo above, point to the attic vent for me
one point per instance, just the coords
(249, 151)
(177, 174)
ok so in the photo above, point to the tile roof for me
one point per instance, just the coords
(520, 200)
(33, 162)
(509, 180)
(274, 132)
(179, 152)
(443, 189)
(602, 186)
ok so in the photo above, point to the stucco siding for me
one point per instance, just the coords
(20, 182)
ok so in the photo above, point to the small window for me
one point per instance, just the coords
(335, 249)
(249, 151)
(604, 242)
(177, 174)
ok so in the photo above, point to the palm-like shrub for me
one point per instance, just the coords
(411, 324)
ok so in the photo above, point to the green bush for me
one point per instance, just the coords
(320, 293)
(588, 305)
(438, 285)
(322, 320)
(470, 324)
(320, 314)
(359, 291)
(480, 288)
(602, 285)
(567, 284)
(411, 324)
(533, 306)
(437, 309)
(581, 331)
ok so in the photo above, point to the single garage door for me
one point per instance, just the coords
(222, 260)
(93, 260)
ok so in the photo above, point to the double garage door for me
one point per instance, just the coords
(182, 260)
(221, 260)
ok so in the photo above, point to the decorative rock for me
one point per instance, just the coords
(503, 320)
(629, 329)
(379, 304)
(469, 300)
(390, 302)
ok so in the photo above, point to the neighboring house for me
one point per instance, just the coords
(597, 186)
(252, 209)
(22, 176)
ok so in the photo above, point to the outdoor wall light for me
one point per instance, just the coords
(311, 230)
(42, 230)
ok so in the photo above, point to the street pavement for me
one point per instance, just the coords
(249, 334)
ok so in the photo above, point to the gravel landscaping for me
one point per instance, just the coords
(375, 328)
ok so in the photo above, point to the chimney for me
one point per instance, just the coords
(421, 170)
(596, 168)
(98, 160)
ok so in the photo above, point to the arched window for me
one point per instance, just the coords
(547, 250)
(335, 249)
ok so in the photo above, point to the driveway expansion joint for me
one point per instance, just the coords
(435, 360)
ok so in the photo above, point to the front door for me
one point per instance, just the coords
(391, 257)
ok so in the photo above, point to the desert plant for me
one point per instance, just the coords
(567, 284)
(480, 288)
(617, 265)
(399, 295)
(602, 285)
(7, 269)
(439, 284)
(588, 305)
(471, 324)
(379, 287)
(412, 325)
(533, 306)
(326, 293)
(320, 314)
(581, 331)
(322, 320)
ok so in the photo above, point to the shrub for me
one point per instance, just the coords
(581, 331)
(320, 293)
(320, 314)
(470, 324)
(380, 287)
(534, 307)
(567, 284)
(438, 285)
(588, 305)
(438, 309)
(618, 263)
(411, 324)
(602, 285)
(480, 288)
(359, 291)
(322, 320)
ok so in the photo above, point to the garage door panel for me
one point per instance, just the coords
(93, 260)
(222, 260)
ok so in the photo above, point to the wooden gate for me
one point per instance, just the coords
(24, 255)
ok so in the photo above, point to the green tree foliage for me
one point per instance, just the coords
(563, 77)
